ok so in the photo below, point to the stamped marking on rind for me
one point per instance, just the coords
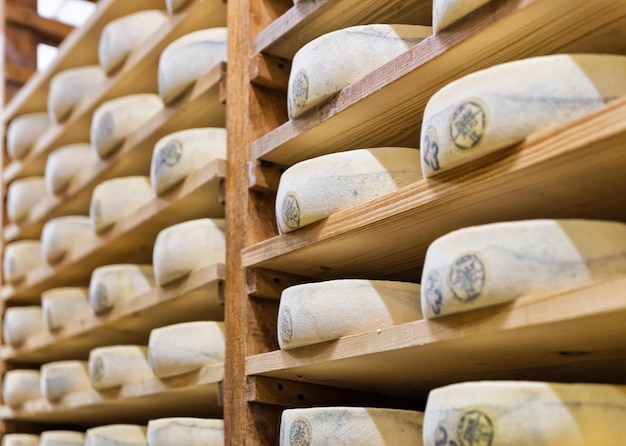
(475, 428)
(286, 325)
(434, 293)
(102, 297)
(291, 210)
(468, 124)
(430, 148)
(97, 212)
(170, 154)
(97, 371)
(441, 437)
(468, 275)
(104, 131)
(300, 432)
(299, 90)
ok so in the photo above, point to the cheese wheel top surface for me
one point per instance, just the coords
(446, 12)
(22, 195)
(68, 87)
(19, 258)
(116, 435)
(20, 440)
(185, 431)
(23, 133)
(62, 438)
(113, 283)
(68, 162)
(62, 234)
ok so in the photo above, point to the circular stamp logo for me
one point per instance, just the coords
(467, 279)
(434, 295)
(105, 127)
(300, 432)
(286, 325)
(291, 210)
(299, 90)
(441, 437)
(97, 371)
(430, 148)
(468, 124)
(102, 297)
(170, 154)
(475, 428)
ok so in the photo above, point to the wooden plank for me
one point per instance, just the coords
(568, 335)
(575, 169)
(266, 284)
(269, 72)
(138, 75)
(193, 394)
(385, 108)
(50, 31)
(129, 322)
(130, 239)
(17, 73)
(264, 177)
(200, 107)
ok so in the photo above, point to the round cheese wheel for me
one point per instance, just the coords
(116, 365)
(19, 386)
(312, 190)
(62, 438)
(185, 247)
(500, 106)
(114, 283)
(181, 348)
(337, 59)
(347, 426)
(118, 118)
(22, 195)
(21, 322)
(316, 312)
(492, 264)
(446, 12)
(62, 378)
(68, 87)
(20, 258)
(24, 131)
(63, 234)
(175, 5)
(508, 413)
(121, 36)
(177, 155)
(61, 305)
(20, 440)
(117, 198)
(116, 435)
(185, 431)
(68, 162)
(188, 58)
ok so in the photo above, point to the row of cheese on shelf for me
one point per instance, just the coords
(499, 413)
(159, 432)
(467, 269)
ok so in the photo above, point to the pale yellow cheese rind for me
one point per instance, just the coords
(116, 365)
(19, 386)
(185, 431)
(20, 258)
(62, 438)
(62, 378)
(114, 283)
(62, 305)
(22, 195)
(116, 435)
(23, 133)
(68, 162)
(68, 87)
(20, 322)
(63, 234)
(20, 440)
(446, 12)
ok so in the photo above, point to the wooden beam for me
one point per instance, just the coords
(50, 31)
(17, 73)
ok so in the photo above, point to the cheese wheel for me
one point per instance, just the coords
(22, 195)
(121, 36)
(114, 283)
(185, 247)
(117, 198)
(68, 87)
(62, 378)
(24, 131)
(492, 264)
(494, 108)
(182, 348)
(61, 305)
(116, 365)
(20, 440)
(348, 426)
(63, 234)
(185, 431)
(508, 413)
(316, 312)
(20, 258)
(62, 438)
(116, 435)
(337, 59)
(188, 58)
(446, 12)
(21, 322)
(177, 155)
(175, 5)
(19, 386)
(68, 162)
(118, 118)
(312, 190)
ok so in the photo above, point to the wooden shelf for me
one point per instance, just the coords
(138, 75)
(200, 107)
(131, 239)
(386, 107)
(193, 298)
(571, 335)
(192, 394)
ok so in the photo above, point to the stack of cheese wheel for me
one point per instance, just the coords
(20, 440)
(62, 438)
(23, 195)
(116, 365)
(446, 12)
(182, 348)
(350, 426)
(62, 378)
(20, 258)
(21, 322)
(121, 36)
(115, 283)
(335, 60)
(477, 114)
(508, 413)
(314, 189)
(63, 234)
(24, 131)
(188, 58)
(116, 435)
(185, 247)
(115, 120)
(68, 162)
(317, 312)
(20, 386)
(62, 305)
(185, 431)
(179, 154)
(68, 87)
(492, 264)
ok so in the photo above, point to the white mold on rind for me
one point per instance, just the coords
(62, 305)
(21, 322)
(20, 258)
(116, 435)
(20, 440)
(62, 378)
(114, 283)
(62, 438)
(116, 365)
(185, 431)
(68, 162)
(22, 195)
(24, 131)
(68, 87)
(63, 234)
(19, 386)
(446, 12)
